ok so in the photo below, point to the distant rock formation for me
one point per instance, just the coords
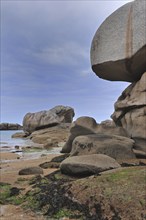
(130, 112)
(118, 50)
(10, 126)
(44, 119)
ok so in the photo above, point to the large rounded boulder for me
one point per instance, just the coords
(87, 164)
(118, 48)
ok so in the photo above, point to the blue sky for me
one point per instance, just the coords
(45, 58)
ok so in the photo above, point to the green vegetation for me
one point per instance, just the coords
(10, 195)
(63, 213)
(32, 150)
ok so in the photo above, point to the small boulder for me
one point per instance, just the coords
(31, 171)
(88, 164)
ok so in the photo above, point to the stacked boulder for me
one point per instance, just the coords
(121, 56)
(118, 53)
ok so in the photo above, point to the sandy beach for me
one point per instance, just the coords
(9, 174)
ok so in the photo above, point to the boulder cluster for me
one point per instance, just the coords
(118, 53)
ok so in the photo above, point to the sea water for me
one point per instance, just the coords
(7, 144)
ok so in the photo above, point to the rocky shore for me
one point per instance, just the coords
(100, 174)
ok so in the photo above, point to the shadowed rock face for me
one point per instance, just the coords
(118, 48)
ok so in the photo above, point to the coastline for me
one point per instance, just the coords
(9, 174)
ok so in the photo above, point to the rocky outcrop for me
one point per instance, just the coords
(87, 125)
(51, 137)
(118, 48)
(45, 119)
(130, 112)
(87, 164)
(10, 126)
(117, 147)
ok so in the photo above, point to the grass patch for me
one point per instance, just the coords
(10, 195)
(63, 213)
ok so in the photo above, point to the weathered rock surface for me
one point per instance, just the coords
(117, 147)
(87, 125)
(10, 126)
(45, 119)
(31, 171)
(51, 137)
(87, 164)
(118, 48)
(130, 112)
(19, 135)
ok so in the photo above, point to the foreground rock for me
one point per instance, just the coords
(119, 46)
(117, 147)
(87, 164)
(88, 125)
(45, 119)
(10, 126)
(130, 112)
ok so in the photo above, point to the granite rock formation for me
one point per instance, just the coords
(45, 119)
(118, 48)
(87, 125)
(10, 126)
(118, 53)
(130, 112)
(114, 146)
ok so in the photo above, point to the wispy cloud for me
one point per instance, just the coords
(45, 57)
(69, 53)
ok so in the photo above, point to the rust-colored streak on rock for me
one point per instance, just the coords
(129, 34)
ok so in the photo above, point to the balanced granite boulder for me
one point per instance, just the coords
(130, 112)
(45, 119)
(88, 125)
(117, 147)
(87, 164)
(118, 49)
